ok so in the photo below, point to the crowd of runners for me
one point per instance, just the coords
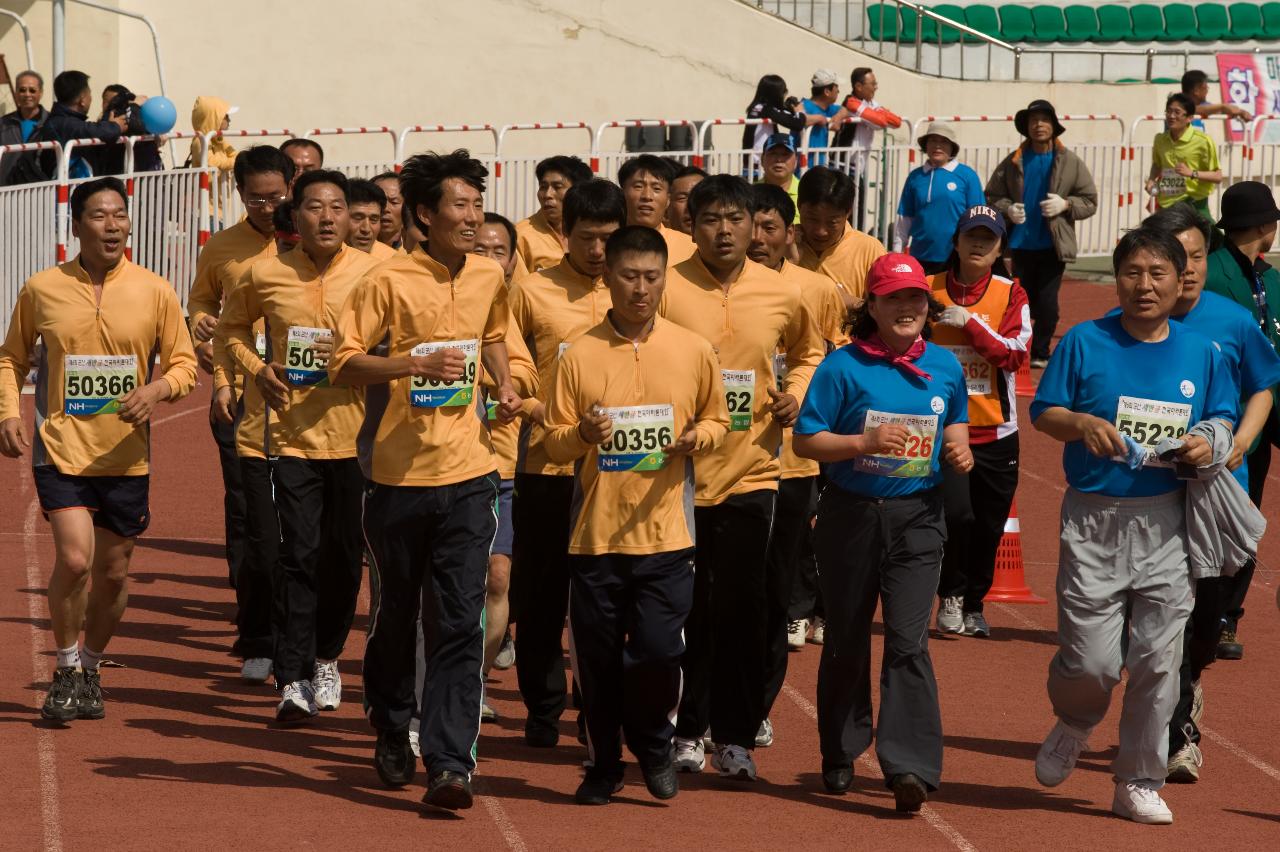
(690, 414)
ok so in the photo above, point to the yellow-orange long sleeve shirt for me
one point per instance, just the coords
(846, 262)
(822, 300)
(138, 318)
(222, 263)
(538, 245)
(640, 503)
(286, 292)
(745, 324)
(680, 246)
(524, 376)
(412, 300)
(553, 307)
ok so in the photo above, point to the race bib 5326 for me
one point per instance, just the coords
(915, 459)
(639, 434)
(93, 384)
(740, 396)
(304, 366)
(434, 393)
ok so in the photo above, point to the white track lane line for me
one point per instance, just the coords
(1257, 763)
(930, 815)
(179, 414)
(499, 814)
(50, 808)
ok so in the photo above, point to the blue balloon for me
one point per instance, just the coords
(158, 115)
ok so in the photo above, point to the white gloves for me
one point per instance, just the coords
(954, 316)
(1053, 206)
(1017, 213)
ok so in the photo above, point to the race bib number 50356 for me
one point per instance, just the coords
(93, 384)
(639, 434)
(304, 366)
(435, 393)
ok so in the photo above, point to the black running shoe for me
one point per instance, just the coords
(90, 705)
(393, 758)
(63, 701)
(596, 789)
(661, 781)
(449, 790)
(837, 779)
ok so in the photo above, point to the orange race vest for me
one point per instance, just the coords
(987, 384)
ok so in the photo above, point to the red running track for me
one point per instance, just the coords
(188, 754)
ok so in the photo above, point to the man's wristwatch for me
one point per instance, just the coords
(1195, 175)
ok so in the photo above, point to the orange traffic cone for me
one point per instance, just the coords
(1023, 385)
(1010, 585)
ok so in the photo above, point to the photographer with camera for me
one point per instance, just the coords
(117, 100)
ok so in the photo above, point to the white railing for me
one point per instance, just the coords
(175, 211)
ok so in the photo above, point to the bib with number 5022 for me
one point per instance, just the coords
(304, 366)
(435, 393)
(913, 460)
(740, 397)
(93, 384)
(639, 434)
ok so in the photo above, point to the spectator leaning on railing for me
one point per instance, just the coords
(1195, 85)
(25, 121)
(1043, 189)
(69, 119)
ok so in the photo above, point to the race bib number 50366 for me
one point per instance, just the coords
(93, 384)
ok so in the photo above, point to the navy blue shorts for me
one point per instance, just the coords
(506, 530)
(118, 503)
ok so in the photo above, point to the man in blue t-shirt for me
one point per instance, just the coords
(823, 92)
(1116, 388)
(1254, 367)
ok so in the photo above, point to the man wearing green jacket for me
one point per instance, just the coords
(1239, 271)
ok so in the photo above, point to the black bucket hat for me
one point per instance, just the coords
(1247, 204)
(1039, 105)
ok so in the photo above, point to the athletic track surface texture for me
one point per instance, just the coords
(189, 755)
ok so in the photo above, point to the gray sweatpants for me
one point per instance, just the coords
(1115, 554)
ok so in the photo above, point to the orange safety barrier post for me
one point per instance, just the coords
(1010, 585)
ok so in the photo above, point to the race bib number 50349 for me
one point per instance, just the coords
(93, 384)
(435, 393)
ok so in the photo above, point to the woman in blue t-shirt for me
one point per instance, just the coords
(882, 414)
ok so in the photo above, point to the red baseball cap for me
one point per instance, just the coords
(893, 272)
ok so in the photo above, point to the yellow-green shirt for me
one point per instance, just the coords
(1195, 149)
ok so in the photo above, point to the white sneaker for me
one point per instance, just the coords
(413, 743)
(506, 657)
(764, 736)
(950, 615)
(819, 630)
(796, 632)
(297, 702)
(734, 762)
(256, 669)
(1136, 801)
(690, 755)
(1059, 753)
(327, 685)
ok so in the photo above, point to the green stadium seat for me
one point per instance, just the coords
(882, 22)
(950, 35)
(1180, 23)
(928, 27)
(1049, 23)
(1082, 23)
(1114, 23)
(1148, 23)
(1246, 21)
(1213, 21)
(984, 19)
(1271, 20)
(1016, 24)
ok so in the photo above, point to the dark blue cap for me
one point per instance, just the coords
(981, 216)
(783, 139)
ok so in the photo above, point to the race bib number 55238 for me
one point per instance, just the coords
(1150, 421)
(93, 384)
(639, 434)
(434, 393)
(915, 459)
